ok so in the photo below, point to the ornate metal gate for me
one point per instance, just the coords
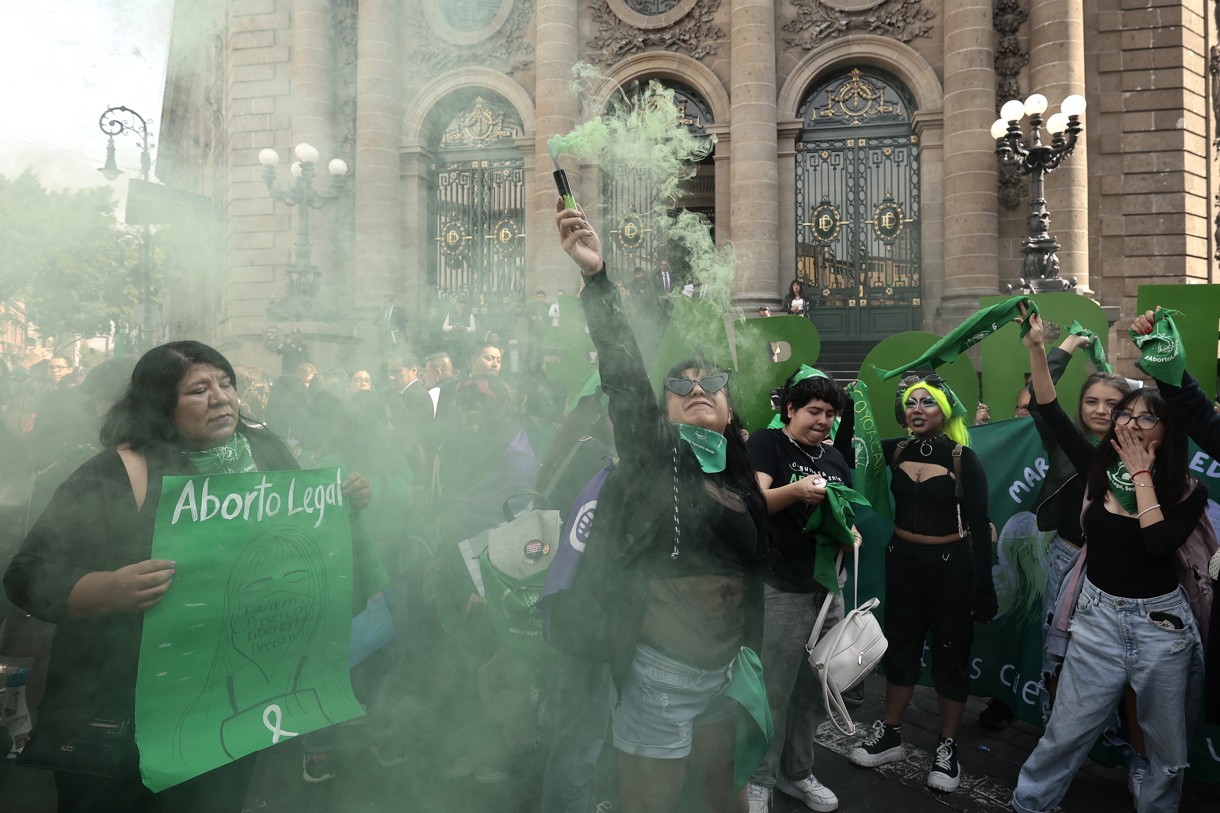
(858, 212)
(633, 198)
(478, 218)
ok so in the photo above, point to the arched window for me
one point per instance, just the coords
(857, 206)
(477, 221)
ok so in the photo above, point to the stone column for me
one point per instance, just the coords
(1056, 70)
(971, 168)
(786, 161)
(313, 121)
(753, 174)
(556, 109)
(378, 182)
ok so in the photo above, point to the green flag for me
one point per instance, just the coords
(250, 645)
(1095, 352)
(968, 334)
(1162, 355)
(831, 523)
(870, 472)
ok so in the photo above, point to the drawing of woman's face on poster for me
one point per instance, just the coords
(274, 600)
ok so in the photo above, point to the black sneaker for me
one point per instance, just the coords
(996, 716)
(855, 695)
(317, 768)
(390, 752)
(882, 746)
(945, 774)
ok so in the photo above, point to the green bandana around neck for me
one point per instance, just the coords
(1162, 355)
(1093, 350)
(709, 446)
(1122, 485)
(231, 457)
(968, 334)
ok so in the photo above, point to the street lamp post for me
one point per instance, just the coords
(119, 121)
(1029, 156)
(303, 275)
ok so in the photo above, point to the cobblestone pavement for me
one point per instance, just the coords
(990, 761)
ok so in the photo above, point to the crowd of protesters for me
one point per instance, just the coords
(698, 575)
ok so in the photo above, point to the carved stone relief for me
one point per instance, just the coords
(694, 34)
(903, 20)
(510, 49)
(1010, 59)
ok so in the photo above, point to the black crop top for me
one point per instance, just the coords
(928, 505)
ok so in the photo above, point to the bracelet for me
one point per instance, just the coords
(1143, 485)
(1135, 474)
(1146, 510)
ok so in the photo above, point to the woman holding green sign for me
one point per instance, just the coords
(669, 591)
(84, 566)
(1132, 625)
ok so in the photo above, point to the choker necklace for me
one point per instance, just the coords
(792, 440)
(925, 444)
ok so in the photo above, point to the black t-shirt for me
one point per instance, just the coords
(792, 558)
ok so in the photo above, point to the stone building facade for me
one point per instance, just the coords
(853, 150)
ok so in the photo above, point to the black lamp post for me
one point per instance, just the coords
(1029, 156)
(303, 275)
(120, 121)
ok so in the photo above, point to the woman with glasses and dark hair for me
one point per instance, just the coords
(669, 590)
(1133, 625)
(85, 565)
(937, 571)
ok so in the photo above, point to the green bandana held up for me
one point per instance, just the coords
(1122, 485)
(806, 371)
(231, 457)
(968, 334)
(1163, 356)
(831, 523)
(709, 446)
(1093, 350)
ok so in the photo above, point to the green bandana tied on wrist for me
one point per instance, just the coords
(831, 523)
(1163, 356)
(968, 334)
(1093, 350)
(708, 445)
(806, 371)
(232, 457)
(1123, 486)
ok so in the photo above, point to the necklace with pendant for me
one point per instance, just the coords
(812, 458)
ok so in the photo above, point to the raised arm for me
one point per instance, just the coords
(1077, 447)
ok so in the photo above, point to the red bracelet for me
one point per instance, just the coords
(1141, 471)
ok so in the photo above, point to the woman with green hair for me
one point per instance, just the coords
(937, 571)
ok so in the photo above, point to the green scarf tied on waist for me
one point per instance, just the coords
(231, 457)
(1123, 486)
(710, 447)
(1162, 355)
(805, 372)
(968, 334)
(1093, 350)
(755, 728)
(830, 523)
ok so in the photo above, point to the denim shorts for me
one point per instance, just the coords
(663, 700)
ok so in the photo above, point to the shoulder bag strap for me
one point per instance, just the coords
(902, 444)
(817, 625)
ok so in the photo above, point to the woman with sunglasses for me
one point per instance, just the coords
(1133, 626)
(937, 572)
(669, 585)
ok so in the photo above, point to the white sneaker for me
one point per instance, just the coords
(759, 797)
(813, 793)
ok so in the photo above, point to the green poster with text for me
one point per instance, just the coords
(249, 646)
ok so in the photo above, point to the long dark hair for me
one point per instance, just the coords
(1110, 380)
(1169, 479)
(144, 416)
(738, 470)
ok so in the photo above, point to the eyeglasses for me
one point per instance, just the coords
(710, 383)
(1121, 418)
(927, 402)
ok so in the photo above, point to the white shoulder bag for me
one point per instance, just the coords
(848, 652)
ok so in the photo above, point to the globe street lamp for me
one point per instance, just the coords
(302, 273)
(120, 121)
(1029, 156)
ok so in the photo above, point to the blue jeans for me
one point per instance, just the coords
(1115, 644)
(1059, 555)
(582, 695)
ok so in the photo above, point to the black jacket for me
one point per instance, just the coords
(92, 524)
(599, 618)
(1057, 506)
